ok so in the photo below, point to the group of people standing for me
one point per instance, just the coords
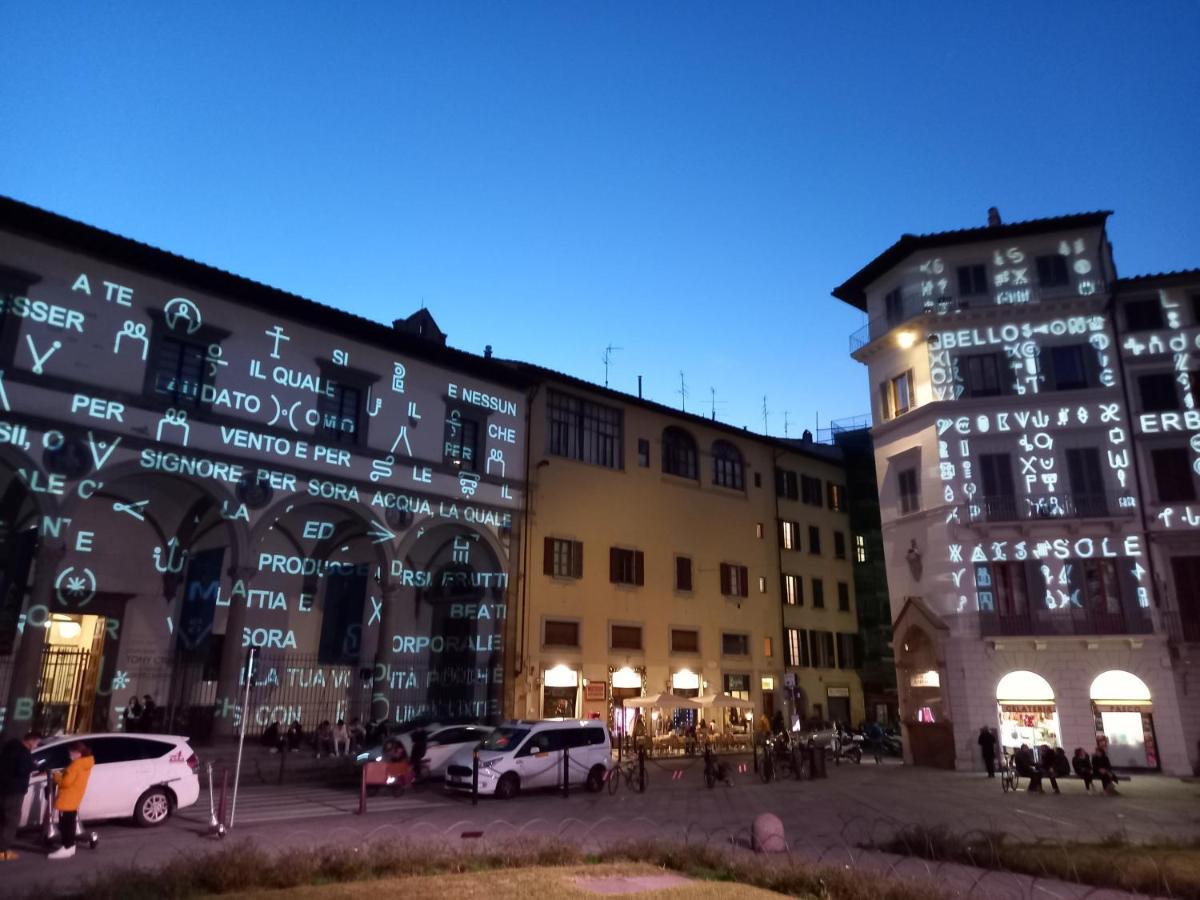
(16, 767)
(140, 714)
(1046, 762)
(327, 740)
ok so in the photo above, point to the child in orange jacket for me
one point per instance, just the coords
(71, 785)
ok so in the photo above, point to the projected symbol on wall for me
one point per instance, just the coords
(182, 311)
(71, 589)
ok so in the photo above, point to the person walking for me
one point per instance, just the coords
(874, 735)
(16, 765)
(72, 783)
(987, 749)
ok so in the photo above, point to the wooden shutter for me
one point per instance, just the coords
(639, 568)
(744, 581)
(725, 591)
(577, 559)
(614, 565)
(548, 562)
(683, 573)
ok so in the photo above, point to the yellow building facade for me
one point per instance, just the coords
(651, 561)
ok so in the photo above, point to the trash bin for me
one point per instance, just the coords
(817, 767)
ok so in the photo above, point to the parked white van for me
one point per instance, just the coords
(526, 755)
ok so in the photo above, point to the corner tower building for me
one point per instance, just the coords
(1023, 592)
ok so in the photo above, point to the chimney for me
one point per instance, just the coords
(639, 387)
(487, 352)
(806, 437)
(993, 217)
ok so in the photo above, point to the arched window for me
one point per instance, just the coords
(728, 470)
(679, 454)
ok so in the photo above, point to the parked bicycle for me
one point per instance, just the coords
(714, 770)
(629, 773)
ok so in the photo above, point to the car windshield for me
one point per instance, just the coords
(505, 738)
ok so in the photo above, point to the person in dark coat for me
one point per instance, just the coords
(987, 749)
(1102, 768)
(1082, 764)
(16, 765)
(149, 714)
(1046, 764)
(1027, 767)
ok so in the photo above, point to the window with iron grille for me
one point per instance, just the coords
(583, 430)
(339, 410)
(180, 369)
(460, 447)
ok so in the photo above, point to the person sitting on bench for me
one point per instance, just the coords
(1027, 768)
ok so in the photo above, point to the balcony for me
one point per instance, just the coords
(914, 305)
(1006, 508)
(1071, 622)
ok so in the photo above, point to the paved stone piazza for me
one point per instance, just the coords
(826, 820)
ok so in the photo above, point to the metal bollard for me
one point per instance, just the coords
(475, 778)
(641, 770)
(754, 750)
(362, 791)
(566, 771)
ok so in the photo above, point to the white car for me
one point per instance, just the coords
(143, 776)
(525, 755)
(444, 741)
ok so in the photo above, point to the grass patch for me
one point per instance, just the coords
(245, 868)
(1161, 868)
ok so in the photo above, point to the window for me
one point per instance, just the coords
(843, 597)
(896, 396)
(1100, 590)
(1158, 392)
(981, 374)
(789, 535)
(759, 531)
(972, 280)
(734, 581)
(1002, 589)
(582, 430)
(846, 650)
(728, 470)
(738, 686)
(893, 306)
(683, 573)
(786, 485)
(339, 411)
(792, 589)
(1068, 367)
(818, 593)
(1194, 387)
(679, 453)
(1087, 481)
(768, 648)
(1052, 271)
(684, 640)
(643, 453)
(626, 566)
(821, 649)
(560, 634)
(758, 479)
(810, 491)
(1173, 474)
(562, 558)
(999, 500)
(792, 636)
(860, 548)
(625, 637)
(179, 371)
(906, 485)
(735, 644)
(814, 540)
(762, 584)
(1143, 315)
(839, 545)
(837, 496)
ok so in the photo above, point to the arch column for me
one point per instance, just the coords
(229, 686)
(27, 663)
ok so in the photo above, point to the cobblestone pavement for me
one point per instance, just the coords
(825, 820)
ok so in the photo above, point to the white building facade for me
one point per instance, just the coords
(1024, 593)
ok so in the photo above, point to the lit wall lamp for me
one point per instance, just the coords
(906, 339)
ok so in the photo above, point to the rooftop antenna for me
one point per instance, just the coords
(766, 415)
(683, 392)
(785, 423)
(713, 400)
(608, 355)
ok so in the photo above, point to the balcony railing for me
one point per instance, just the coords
(1073, 621)
(1054, 506)
(914, 305)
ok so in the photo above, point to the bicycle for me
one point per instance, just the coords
(1010, 779)
(630, 773)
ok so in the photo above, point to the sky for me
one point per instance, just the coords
(683, 181)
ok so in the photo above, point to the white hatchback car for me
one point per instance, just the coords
(443, 743)
(522, 755)
(146, 776)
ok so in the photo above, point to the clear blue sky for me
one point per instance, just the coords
(685, 181)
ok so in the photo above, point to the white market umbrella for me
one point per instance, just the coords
(665, 700)
(723, 701)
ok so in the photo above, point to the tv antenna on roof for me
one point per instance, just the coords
(683, 392)
(785, 423)
(608, 355)
(715, 402)
(766, 415)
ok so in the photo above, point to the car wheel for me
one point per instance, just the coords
(595, 779)
(508, 786)
(153, 807)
